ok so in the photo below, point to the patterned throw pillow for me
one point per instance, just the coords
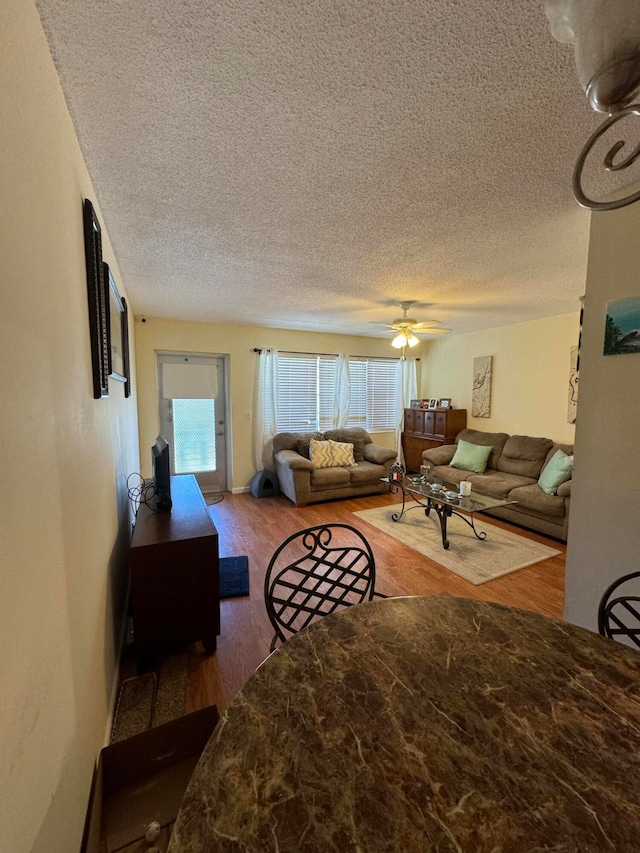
(358, 445)
(342, 454)
(302, 444)
(320, 453)
(358, 449)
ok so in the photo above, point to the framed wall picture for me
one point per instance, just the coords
(481, 389)
(118, 333)
(444, 403)
(125, 347)
(97, 301)
(622, 327)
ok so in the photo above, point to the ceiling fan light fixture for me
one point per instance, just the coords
(412, 340)
(606, 39)
(400, 341)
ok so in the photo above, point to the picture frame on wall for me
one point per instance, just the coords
(622, 327)
(125, 347)
(444, 403)
(118, 333)
(97, 299)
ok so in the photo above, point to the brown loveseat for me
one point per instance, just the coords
(513, 468)
(303, 484)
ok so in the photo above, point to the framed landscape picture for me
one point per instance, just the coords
(622, 327)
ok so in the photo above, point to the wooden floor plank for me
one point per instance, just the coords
(256, 527)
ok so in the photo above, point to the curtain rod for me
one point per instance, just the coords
(332, 354)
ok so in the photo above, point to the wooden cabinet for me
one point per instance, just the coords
(173, 563)
(425, 428)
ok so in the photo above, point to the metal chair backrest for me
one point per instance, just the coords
(619, 615)
(314, 572)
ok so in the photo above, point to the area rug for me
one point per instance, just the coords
(171, 690)
(476, 561)
(234, 577)
(134, 707)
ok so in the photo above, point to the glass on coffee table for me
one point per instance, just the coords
(445, 500)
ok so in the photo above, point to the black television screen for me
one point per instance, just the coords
(161, 474)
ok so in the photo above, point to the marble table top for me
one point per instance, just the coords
(426, 724)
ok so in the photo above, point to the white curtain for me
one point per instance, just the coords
(407, 386)
(343, 392)
(265, 409)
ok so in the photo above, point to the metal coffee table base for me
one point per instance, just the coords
(443, 510)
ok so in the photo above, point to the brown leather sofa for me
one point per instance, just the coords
(303, 484)
(513, 468)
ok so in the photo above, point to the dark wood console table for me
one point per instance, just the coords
(427, 428)
(173, 564)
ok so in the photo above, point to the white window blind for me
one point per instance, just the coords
(373, 394)
(306, 389)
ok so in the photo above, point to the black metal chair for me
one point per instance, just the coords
(619, 615)
(315, 572)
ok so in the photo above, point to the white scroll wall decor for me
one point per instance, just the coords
(573, 386)
(481, 397)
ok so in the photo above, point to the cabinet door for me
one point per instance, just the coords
(428, 423)
(412, 447)
(440, 424)
(409, 420)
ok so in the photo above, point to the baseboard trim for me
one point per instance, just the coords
(240, 490)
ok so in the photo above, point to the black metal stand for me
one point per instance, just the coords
(442, 508)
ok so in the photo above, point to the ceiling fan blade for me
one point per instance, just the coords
(427, 324)
(435, 331)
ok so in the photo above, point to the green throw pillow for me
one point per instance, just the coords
(471, 457)
(558, 471)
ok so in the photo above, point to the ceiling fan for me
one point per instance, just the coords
(408, 328)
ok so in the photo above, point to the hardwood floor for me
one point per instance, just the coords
(256, 528)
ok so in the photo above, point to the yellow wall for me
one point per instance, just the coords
(64, 515)
(604, 535)
(237, 342)
(530, 375)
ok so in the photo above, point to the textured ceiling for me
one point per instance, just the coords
(308, 165)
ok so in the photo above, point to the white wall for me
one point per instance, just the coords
(604, 536)
(530, 375)
(64, 515)
(238, 343)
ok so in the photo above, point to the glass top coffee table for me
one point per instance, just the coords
(445, 502)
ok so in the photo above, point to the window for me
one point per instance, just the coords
(374, 389)
(306, 393)
(306, 389)
(194, 435)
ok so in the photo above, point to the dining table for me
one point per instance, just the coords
(426, 723)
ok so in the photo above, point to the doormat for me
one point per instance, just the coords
(499, 554)
(234, 577)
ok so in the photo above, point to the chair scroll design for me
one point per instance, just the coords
(314, 572)
(619, 616)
